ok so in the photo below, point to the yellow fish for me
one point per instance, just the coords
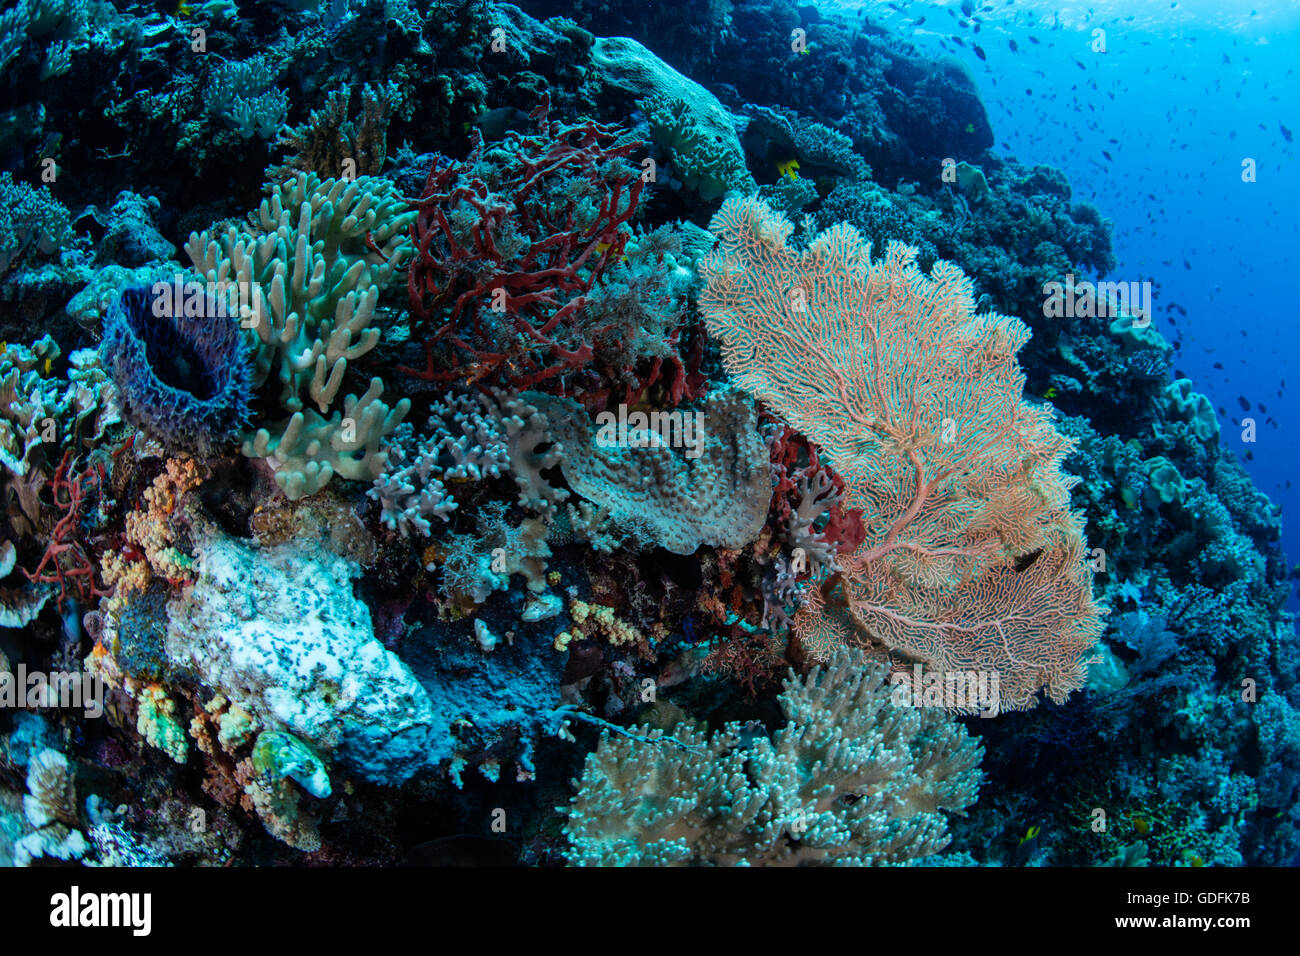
(46, 366)
(602, 246)
(788, 168)
(1050, 393)
(1030, 834)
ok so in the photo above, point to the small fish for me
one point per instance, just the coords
(602, 246)
(1030, 834)
(1051, 392)
(494, 124)
(788, 169)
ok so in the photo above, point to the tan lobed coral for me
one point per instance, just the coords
(851, 780)
(651, 487)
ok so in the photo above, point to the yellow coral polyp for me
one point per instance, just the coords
(156, 722)
(603, 622)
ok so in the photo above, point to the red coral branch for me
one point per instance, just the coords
(65, 562)
(537, 293)
(797, 465)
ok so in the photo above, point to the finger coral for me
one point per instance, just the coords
(309, 266)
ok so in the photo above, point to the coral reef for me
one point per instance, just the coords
(469, 475)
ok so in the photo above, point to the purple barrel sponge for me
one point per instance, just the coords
(179, 360)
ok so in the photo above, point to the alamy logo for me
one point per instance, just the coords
(37, 690)
(1086, 300)
(675, 429)
(965, 691)
(209, 300)
(76, 909)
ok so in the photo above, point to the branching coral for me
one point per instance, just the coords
(973, 559)
(473, 437)
(598, 619)
(65, 561)
(31, 221)
(331, 139)
(512, 242)
(850, 779)
(809, 490)
(478, 564)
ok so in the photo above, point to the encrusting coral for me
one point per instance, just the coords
(850, 779)
(682, 478)
(278, 631)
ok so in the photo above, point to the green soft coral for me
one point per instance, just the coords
(310, 264)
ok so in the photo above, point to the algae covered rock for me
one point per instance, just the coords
(278, 631)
